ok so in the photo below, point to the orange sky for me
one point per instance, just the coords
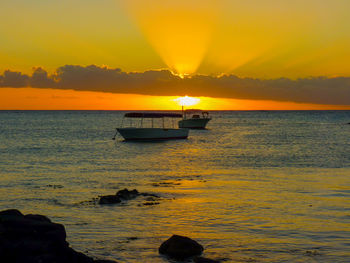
(258, 39)
(54, 99)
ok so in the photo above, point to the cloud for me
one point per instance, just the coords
(13, 79)
(319, 90)
(40, 79)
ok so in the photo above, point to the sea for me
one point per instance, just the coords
(255, 186)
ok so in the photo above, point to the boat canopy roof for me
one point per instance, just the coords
(189, 111)
(152, 115)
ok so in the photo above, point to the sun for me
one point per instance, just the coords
(187, 101)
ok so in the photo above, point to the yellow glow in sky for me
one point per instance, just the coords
(180, 31)
(253, 38)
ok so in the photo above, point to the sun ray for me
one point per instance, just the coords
(180, 31)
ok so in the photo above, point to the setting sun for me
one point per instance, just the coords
(187, 101)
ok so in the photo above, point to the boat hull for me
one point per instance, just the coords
(199, 123)
(147, 134)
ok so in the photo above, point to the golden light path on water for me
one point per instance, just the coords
(180, 31)
(254, 187)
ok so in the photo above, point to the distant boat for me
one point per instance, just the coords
(194, 119)
(142, 133)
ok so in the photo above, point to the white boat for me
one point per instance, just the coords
(142, 133)
(194, 119)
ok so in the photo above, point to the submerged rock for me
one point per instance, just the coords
(312, 253)
(54, 186)
(165, 184)
(109, 199)
(125, 195)
(150, 203)
(150, 195)
(180, 247)
(33, 239)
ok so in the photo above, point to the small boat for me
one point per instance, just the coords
(194, 119)
(142, 133)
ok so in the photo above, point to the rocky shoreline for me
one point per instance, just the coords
(35, 238)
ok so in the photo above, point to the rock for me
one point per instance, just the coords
(33, 239)
(180, 247)
(38, 218)
(204, 260)
(10, 212)
(126, 194)
(165, 184)
(312, 253)
(109, 199)
(32, 226)
(151, 195)
(54, 186)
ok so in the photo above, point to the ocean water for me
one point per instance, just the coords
(257, 186)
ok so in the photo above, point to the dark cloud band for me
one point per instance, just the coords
(319, 90)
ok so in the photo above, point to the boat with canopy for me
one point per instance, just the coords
(150, 126)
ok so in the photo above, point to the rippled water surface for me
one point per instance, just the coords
(254, 187)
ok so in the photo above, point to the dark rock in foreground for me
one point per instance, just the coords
(180, 247)
(35, 239)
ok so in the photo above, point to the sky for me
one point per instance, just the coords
(142, 54)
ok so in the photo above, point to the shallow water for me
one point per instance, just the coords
(255, 187)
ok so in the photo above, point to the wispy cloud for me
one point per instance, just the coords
(319, 90)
